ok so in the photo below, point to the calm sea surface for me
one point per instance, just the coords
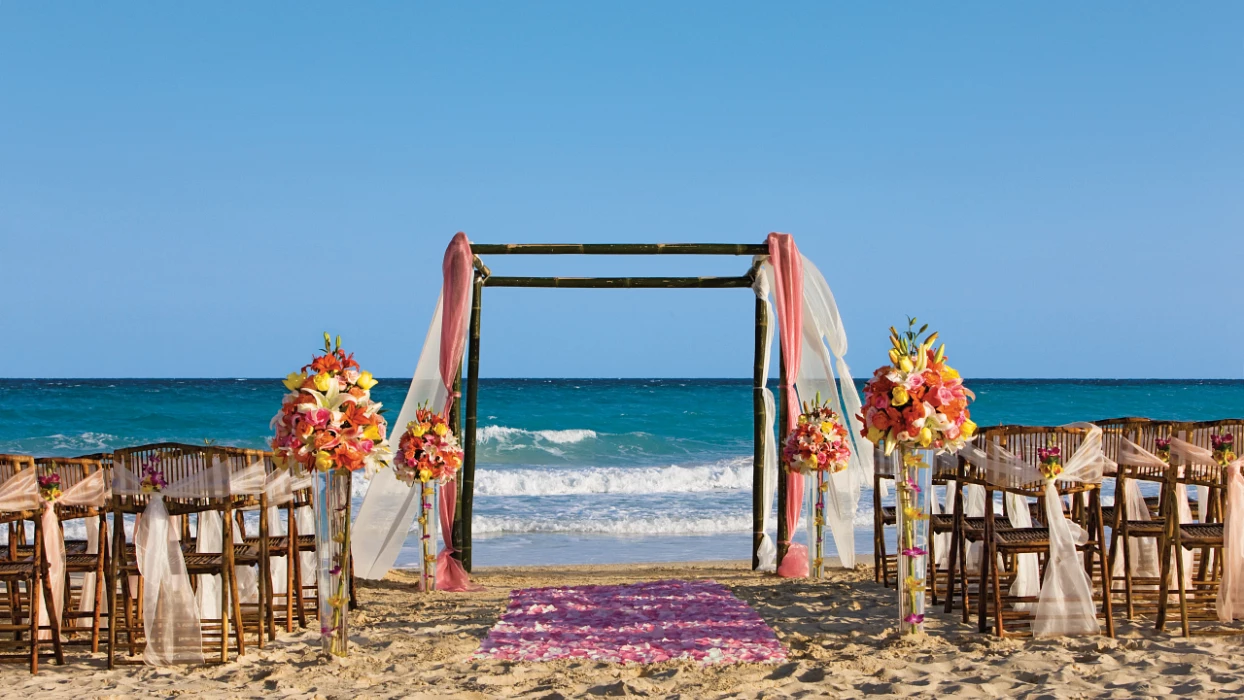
(570, 470)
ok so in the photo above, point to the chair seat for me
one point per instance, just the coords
(1201, 534)
(942, 522)
(78, 563)
(1025, 536)
(17, 569)
(889, 515)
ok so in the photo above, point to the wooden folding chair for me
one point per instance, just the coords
(29, 570)
(80, 562)
(177, 462)
(1007, 543)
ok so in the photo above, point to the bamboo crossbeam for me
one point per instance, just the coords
(758, 433)
(619, 249)
(622, 282)
(472, 404)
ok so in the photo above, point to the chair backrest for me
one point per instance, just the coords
(1201, 434)
(1146, 435)
(240, 459)
(72, 470)
(176, 462)
(1024, 442)
(1113, 430)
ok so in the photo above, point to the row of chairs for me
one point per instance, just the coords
(978, 552)
(103, 587)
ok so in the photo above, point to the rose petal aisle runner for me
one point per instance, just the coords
(635, 623)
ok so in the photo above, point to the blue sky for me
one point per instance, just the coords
(200, 190)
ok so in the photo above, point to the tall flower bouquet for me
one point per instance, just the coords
(817, 446)
(427, 453)
(917, 402)
(329, 425)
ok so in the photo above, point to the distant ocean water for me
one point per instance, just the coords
(569, 470)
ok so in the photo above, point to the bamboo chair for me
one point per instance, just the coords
(885, 564)
(177, 461)
(31, 571)
(301, 599)
(945, 470)
(251, 551)
(1009, 542)
(966, 530)
(1197, 603)
(1139, 593)
(78, 560)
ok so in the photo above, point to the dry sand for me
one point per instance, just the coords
(840, 634)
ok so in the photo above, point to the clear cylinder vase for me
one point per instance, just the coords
(332, 549)
(913, 484)
(818, 489)
(427, 534)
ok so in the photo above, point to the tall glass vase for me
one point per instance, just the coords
(816, 533)
(427, 534)
(913, 482)
(332, 549)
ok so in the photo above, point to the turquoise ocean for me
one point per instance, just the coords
(569, 470)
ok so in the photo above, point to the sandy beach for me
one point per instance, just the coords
(839, 633)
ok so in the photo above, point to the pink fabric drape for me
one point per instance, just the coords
(1230, 601)
(458, 269)
(456, 293)
(788, 297)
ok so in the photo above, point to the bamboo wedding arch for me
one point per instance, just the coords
(466, 426)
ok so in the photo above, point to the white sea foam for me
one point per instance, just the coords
(659, 525)
(733, 474)
(505, 435)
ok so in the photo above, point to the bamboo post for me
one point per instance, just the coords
(455, 420)
(759, 437)
(472, 403)
(783, 532)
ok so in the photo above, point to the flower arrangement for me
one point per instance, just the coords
(49, 487)
(328, 420)
(428, 450)
(1050, 461)
(817, 446)
(917, 400)
(818, 443)
(153, 477)
(1163, 447)
(1223, 445)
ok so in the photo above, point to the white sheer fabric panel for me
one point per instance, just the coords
(1027, 568)
(210, 536)
(390, 507)
(823, 338)
(1142, 551)
(21, 492)
(91, 492)
(768, 548)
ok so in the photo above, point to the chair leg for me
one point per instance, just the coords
(1183, 592)
(1106, 574)
(32, 587)
(997, 600)
(1164, 587)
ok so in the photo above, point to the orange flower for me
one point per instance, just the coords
(357, 415)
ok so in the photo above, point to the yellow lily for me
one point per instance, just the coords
(295, 380)
(366, 381)
(371, 432)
